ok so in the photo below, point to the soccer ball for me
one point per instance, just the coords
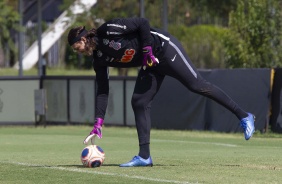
(92, 156)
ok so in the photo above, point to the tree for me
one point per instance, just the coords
(212, 11)
(254, 36)
(9, 18)
(204, 53)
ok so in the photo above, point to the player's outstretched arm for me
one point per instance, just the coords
(96, 131)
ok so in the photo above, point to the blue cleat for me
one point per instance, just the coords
(137, 161)
(248, 125)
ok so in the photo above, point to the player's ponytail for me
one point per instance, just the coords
(91, 33)
(90, 43)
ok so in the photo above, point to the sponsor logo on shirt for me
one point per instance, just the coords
(113, 33)
(99, 53)
(112, 44)
(106, 41)
(117, 25)
(115, 45)
(128, 55)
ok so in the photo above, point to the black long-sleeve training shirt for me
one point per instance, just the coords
(120, 43)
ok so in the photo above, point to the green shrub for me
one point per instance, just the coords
(254, 36)
(203, 44)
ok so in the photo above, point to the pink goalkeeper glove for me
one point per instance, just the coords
(96, 131)
(149, 59)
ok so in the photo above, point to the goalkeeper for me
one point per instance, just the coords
(131, 42)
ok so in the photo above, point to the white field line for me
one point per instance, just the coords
(195, 142)
(98, 172)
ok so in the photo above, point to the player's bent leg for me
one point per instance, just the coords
(247, 124)
(137, 161)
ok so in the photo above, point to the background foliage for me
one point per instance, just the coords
(211, 47)
(9, 18)
(205, 53)
(215, 33)
(254, 36)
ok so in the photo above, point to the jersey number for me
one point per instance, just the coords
(128, 55)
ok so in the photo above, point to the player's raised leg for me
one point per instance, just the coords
(181, 68)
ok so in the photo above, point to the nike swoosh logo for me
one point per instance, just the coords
(173, 58)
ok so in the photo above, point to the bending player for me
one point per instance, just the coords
(131, 42)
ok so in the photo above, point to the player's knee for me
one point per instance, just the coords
(137, 101)
(200, 86)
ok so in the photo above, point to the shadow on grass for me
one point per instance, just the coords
(81, 166)
(77, 166)
(117, 165)
(104, 165)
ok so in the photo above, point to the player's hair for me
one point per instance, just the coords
(91, 33)
(76, 33)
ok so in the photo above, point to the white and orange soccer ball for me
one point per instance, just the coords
(92, 156)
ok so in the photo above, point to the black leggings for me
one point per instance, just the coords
(175, 63)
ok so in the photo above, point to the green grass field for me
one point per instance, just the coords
(52, 155)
